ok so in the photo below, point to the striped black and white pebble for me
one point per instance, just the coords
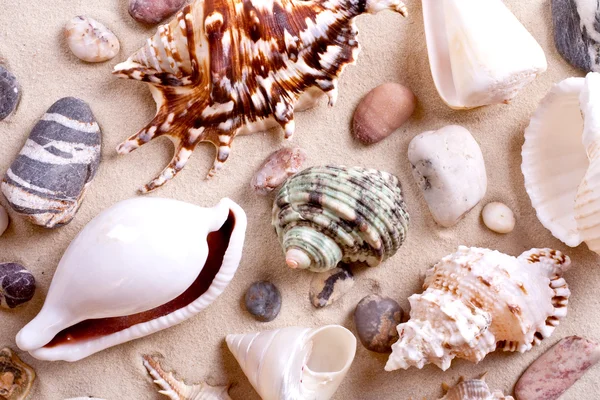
(327, 287)
(577, 32)
(10, 92)
(48, 180)
(17, 285)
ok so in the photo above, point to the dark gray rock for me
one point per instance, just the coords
(10, 93)
(48, 180)
(263, 300)
(153, 11)
(17, 285)
(327, 287)
(576, 32)
(376, 319)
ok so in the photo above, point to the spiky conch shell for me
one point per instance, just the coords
(478, 300)
(331, 214)
(223, 68)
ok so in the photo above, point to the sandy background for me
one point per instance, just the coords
(393, 50)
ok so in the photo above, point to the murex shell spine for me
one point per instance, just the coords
(220, 69)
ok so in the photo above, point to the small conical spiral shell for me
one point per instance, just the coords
(325, 215)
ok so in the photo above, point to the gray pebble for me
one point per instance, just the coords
(65, 145)
(376, 319)
(17, 285)
(327, 287)
(10, 93)
(575, 27)
(263, 300)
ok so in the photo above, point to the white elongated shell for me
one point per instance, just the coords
(477, 300)
(138, 255)
(560, 161)
(479, 52)
(295, 363)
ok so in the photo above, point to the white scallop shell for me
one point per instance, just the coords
(295, 363)
(479, 52)
(134, 257)
(561, 161)
(478, 300)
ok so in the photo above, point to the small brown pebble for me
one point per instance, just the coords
(327, 287)
(376, 319)
(279, 166)
(557, 369)
(382, 111)
(153, 11)
(263, 301)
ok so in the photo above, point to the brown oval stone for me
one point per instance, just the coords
(153, 11)
(382, 111)
(376, 319)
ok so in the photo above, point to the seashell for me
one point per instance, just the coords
(561, 164)
(263, 301)
(65, 144)
(478, 300)
(331, 214)
(178, 390)
(91, 41)
(85, 398)
(220, 69)
(558, 369)
(128, 275)
(279, 166)
(474, 389)
(295, 363)
(16, 377)
(4, 220)
(10, 92)
(498, 217)
(479, 52)
(17, 285)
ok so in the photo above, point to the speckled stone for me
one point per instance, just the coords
(10, 93)
(279, 166)
(376, 319)
(153, 11)
(327, 287)
(263, 301)
(17, 285)
(576, 32)
(557, 369)
(65, 144)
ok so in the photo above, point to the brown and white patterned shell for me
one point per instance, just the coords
(223, 68)
(474, 389)
(16, 377)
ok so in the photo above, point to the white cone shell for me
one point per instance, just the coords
(560, 161)
(133, 257)
(295, 363)
(479, 52)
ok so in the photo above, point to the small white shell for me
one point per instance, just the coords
(91, 41)
(479, 52)
(561, 162)
(146, 260)
(295, 363)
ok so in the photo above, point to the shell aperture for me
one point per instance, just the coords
(127, 275)
(220, 69)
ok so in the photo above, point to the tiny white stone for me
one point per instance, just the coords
(498, 217)
(91, 41)
(4, 220)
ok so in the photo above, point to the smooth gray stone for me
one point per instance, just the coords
(47, 181)
(577, 32)
(17, 285)
(10, 93)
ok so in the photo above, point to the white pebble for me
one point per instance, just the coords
(498, 217)
(91, 41)
(4, 220)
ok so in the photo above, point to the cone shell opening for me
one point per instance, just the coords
(333, 350)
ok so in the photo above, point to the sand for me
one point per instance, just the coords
(393, 50)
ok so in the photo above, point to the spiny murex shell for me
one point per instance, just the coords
(178, 390)
(561, 162)
(220, 69)
(474, 389)
(479, 52)
(478, 300)
(143, 265)
(325, 215)
(295, 363)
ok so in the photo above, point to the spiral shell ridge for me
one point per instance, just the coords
(331, 214)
